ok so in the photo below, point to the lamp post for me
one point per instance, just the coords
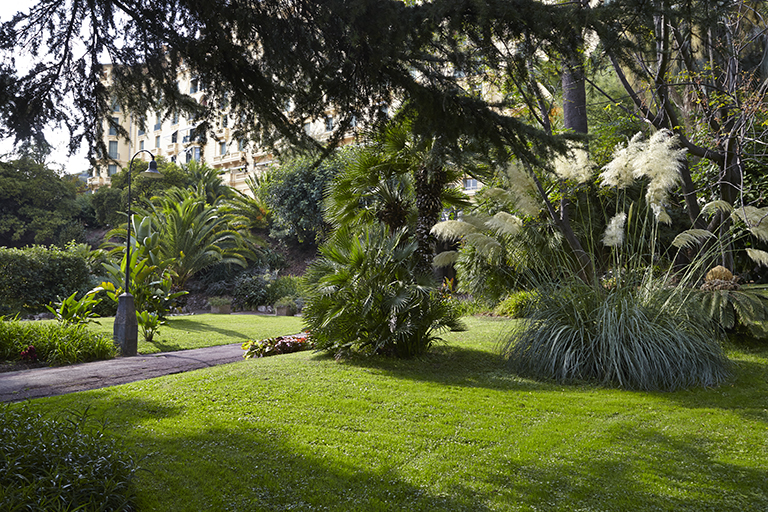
(126, 330)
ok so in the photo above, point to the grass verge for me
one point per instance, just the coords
(197, 331)
(452, 430)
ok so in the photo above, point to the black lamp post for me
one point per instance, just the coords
(126, 330)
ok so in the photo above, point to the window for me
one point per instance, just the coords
(113, 150)
(111, 169)
(470, 184)
(353, 122)
(175, 119)
(241, 145)
(115, 105)
(328, 123)
(157, 141)
(113, 126)
(224, 121)
(141, 146)
(222, 148)
(193, 154)
(158, 122)
(174, 137)
(142, 122)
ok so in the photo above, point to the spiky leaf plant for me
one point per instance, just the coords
(647, 338)
(366, 295)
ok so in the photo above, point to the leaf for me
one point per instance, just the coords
(758, 256)
(452, 229)
(445, 259)
(691, 237)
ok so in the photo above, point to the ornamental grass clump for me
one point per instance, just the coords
(632, 338)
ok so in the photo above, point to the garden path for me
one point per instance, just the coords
(42, 382)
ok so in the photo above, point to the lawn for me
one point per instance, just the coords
(195, 331)
(450, 431)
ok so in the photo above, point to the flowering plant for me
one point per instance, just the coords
(278, 345)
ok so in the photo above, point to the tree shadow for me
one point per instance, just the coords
(450, 365)
(251, 466)
(668, 474)
(200, 326)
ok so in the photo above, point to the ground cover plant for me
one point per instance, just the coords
(52, 343)
(450, 430)
(63, 463)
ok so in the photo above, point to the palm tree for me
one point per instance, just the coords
(195, 234)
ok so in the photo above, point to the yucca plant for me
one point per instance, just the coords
(365, 295)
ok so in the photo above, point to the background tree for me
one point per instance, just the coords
(36, 204)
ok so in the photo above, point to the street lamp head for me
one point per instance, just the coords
(152, 171)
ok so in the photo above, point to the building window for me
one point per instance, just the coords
(141, 146)
(157, 141)
(113, 150)
(175, 118)
(174, 137)
(241, 145)
(222, 148)
(111, 170)
(328, 123)
(158, 123)
(113, 126)
(115, 105)
(470, 184)
(193, 154)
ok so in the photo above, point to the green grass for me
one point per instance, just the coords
(452, 430)
(187, 332)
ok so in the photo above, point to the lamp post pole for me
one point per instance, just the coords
(126, 330)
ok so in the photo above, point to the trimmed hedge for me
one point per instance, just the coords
(35, 276)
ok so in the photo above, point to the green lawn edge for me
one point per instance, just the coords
(453, 430)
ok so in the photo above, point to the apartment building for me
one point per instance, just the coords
(174, 138)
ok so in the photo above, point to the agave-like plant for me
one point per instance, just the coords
(366, 295)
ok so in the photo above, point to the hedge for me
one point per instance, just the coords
(35, 276)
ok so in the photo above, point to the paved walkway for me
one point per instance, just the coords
(40, 382)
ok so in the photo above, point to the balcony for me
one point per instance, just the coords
(158, 127)
(172, 148)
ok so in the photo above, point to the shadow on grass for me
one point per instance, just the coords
(667, 474)
(451, 365)
(199, 325)
(253, 466)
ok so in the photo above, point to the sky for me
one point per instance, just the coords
(58, 160)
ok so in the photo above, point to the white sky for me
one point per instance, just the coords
(58, 160)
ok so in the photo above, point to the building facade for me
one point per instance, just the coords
(174, 138)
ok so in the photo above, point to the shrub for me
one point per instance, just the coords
(647, 338)
(65, 463)
(33, 277)
(53, 343)
(264, 288)
(517, 304)
(365, 294)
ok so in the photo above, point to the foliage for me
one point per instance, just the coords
(75, 311)
(206, 182)
(143, 188)
(193, 235)
(256, 287)
(32, 277)
(279, 345)
(63, 463)
(294, 194)
(649, 338)
(53, 343)
(149, 324)
(151, 292)
(107, 206)
(366, 295)
(517, 304)
(35, 204)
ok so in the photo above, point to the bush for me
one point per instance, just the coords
(63, 464)
(365, 294)
(517, 304)
(53, 343)
(263, 288)
(647, 338)
(33, 277)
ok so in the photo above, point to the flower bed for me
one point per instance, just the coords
(278, 345)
